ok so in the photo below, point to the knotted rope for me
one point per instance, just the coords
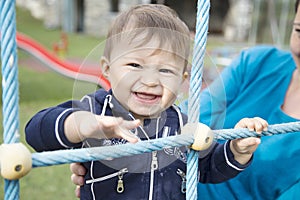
(10, 83)
(11, 123)
(103, 153)
(229, 134)
(10, 87)
(195, 88)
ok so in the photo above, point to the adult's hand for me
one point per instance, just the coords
(77, 177)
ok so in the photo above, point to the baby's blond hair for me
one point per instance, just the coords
(153, 21)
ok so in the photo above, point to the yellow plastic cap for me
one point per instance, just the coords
(203, 135)
(15, 161)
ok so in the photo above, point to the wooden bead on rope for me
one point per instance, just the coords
(203, 135)
(15, 161)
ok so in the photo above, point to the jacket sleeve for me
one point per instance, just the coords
(219, 165)
(45, 130)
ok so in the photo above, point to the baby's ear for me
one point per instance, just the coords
(104, 66)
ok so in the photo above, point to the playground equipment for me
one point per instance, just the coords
(194, 134)
(85, 73)
(10, 90)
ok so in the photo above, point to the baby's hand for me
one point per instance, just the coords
(81, 125)
(112, 127)
(244, 148)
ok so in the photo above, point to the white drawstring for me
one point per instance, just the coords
(179, 116)
(106, 102)
(144, 132)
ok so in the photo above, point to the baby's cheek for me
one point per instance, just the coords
(172, 85)
(169, 97)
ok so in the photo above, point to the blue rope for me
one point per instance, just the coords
(104, 152)
(9, 85)
(198, 60)
(194, 90)
(230, 134)
(116, 151)
(11, 122)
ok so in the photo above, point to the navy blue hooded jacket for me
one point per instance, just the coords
(157, 175)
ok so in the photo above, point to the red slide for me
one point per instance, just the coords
(85, 73)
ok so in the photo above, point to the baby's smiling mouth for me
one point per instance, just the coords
(147, 97)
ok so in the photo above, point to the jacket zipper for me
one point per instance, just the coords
(154, 166)
(120, 186)
(183, 178)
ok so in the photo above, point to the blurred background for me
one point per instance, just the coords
(237, 20)
(72, 32)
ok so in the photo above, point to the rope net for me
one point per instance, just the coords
(11, 123)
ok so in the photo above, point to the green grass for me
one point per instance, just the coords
(41, 89)
(38, 91)
(47, 184)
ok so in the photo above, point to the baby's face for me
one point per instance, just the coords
(145, 80)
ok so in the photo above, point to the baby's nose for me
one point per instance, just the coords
(150, 78)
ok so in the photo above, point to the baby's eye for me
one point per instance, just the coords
(166, 71)
(297, 30)
(134, 65)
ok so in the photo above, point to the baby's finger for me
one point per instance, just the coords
(246, 142)
(129, 125)
(246, 123)
(109, 123)
(130, 137)
(125, 133)
(258, 127)
(247, 145)
(260, 124)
